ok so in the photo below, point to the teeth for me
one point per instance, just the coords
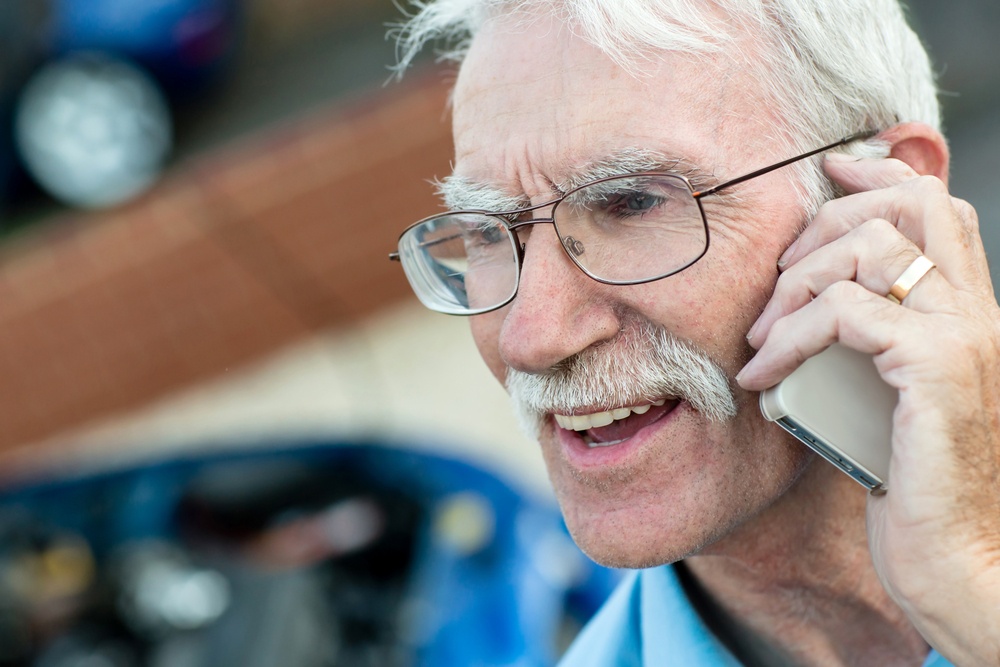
(601, 419)
(598, 419)
(592, 444)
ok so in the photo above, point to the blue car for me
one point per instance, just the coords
(321, 554)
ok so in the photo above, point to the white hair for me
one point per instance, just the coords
(644, 363)
(828, 67)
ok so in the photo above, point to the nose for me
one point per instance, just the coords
(558, 311)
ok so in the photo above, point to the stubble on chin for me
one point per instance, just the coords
(661, 505)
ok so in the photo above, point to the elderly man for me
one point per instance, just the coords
(600, 145)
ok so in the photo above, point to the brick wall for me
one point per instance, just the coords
(233, 255)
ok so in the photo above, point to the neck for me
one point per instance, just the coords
(800, 578)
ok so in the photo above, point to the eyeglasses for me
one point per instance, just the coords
(621, 230)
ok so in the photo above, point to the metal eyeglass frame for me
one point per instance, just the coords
(512, 226)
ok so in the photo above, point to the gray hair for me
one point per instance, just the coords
(828, 67)
(649, 363)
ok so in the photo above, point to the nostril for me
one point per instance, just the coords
(554, 317)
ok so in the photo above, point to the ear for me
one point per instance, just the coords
(920, 146)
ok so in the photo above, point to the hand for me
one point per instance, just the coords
(935, 536)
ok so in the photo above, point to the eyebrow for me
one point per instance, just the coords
(637, 160)
(462, 193)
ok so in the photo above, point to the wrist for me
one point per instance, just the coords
(959, 616)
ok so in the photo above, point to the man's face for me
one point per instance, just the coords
(532, 105)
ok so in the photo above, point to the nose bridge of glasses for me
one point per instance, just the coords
(519, 218)
(518, 224)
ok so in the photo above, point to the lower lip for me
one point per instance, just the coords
(582, 456)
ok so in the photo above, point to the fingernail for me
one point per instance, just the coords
(753, 330)
(842, 157)
(785, 256)
(740, 374)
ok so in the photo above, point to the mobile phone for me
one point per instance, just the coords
(838, 405)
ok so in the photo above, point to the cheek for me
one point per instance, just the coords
(715, 302)
(744, 255)
(740, 278)
(486, 334)
(709, 303)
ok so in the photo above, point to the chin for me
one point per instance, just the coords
(675, 502)
(637, 538)
(633, 553)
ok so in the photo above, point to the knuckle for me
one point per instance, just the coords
(881, 235)
(931, 185)
(838, 293)
(904, 168)
(878, 228)
(786, 281)
(827, 210)
(967, 213)
(831, 213)
(780, 329)
(920, 192)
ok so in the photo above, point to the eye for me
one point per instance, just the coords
(492, 235)
(632, 203)
(639, 201)
(483, 236)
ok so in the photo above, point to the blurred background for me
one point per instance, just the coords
(228, 435)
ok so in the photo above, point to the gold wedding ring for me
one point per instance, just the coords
(909, 278)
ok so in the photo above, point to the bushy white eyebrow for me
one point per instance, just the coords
(636, 160)
(461, 193)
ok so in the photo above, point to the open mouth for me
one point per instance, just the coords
(611, 427)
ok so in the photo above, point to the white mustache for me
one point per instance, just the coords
(644, 363)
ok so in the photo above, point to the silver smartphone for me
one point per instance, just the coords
(838, 405)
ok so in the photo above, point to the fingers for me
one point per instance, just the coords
(940, 349)
(944, 228)
(874, 255)
(835, 277)
(860, 174)
(844, 312)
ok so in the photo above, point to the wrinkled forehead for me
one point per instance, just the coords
(534, 100)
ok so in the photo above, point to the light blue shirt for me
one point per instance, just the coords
(649, 622)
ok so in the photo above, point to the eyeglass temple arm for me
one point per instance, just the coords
(867, 134)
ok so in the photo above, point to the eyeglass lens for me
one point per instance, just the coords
(461, 263)
(631, 229)
(620, 230)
